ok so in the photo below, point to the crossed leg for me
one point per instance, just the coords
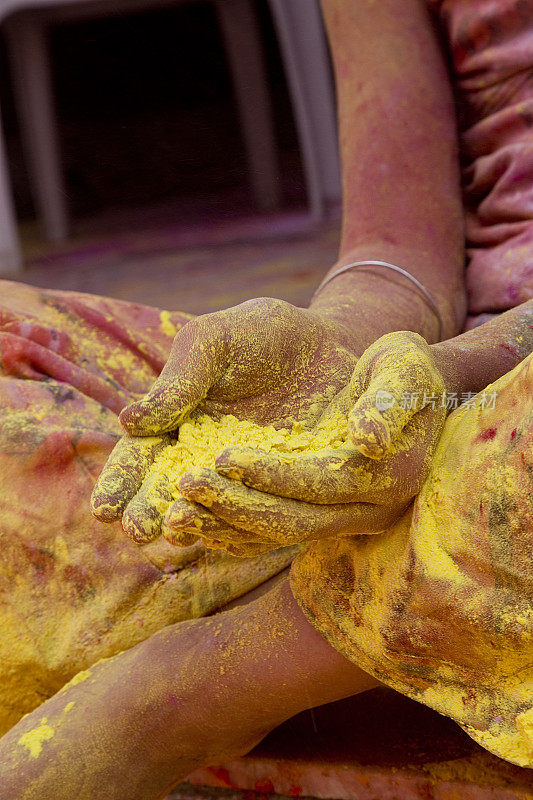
(195, 693)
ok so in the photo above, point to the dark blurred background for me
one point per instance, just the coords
(157, 184)
(147, 113)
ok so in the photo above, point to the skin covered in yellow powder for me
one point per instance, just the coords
(269, 364)
(379, 462)
(264, 361)
(33, 740)
(331, 461)
(399, 394)
(249, 497)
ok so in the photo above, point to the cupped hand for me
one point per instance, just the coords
(394, 406)
(264, 360)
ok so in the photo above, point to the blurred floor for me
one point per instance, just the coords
(155, 168)
(198, 264)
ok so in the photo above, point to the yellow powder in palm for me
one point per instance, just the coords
(202, 439)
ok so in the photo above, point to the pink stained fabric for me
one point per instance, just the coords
(73, 590)
(490, 44)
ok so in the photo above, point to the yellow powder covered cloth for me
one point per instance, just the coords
(73, 591)
(440, 607)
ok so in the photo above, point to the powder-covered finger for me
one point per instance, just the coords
(123, 474)
(324, 477)
(280, 519)
(398, 379)
(178, 538)
(242, 550)
(179, 526)
(384, 418)
(185, 515)
(376, 419)
(247, 550)
(186, 518)
(143, 515)
(196, 361)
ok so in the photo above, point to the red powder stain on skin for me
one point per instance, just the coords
(488, 434)
(294, 791)
(265, 786)
(222, 774)
(522, 456)
(509, 349)
(513, 433)
(481, 506)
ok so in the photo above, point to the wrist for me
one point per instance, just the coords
(465, 369)
(366, 302)
(478, 357)
(399, 303)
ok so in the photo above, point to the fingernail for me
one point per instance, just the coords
(201, 494)
(180, 539)
(197, 492)
(234, 473)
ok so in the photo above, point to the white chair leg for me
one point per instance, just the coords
(305, 57)
(10, 256)
(26, 37)
(242, 41)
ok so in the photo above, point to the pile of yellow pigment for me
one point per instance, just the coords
(202, 439)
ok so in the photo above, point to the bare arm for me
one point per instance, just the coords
(400, 169)
(471, 361)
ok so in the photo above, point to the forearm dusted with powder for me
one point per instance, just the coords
(195, 693)
(468, 363)
(401, 195)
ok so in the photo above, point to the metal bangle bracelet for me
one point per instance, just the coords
(402, 271)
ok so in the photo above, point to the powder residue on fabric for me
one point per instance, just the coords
(167, 326)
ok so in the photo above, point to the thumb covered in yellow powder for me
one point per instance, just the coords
(394, 380)
(197, 359)
(123, 475)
